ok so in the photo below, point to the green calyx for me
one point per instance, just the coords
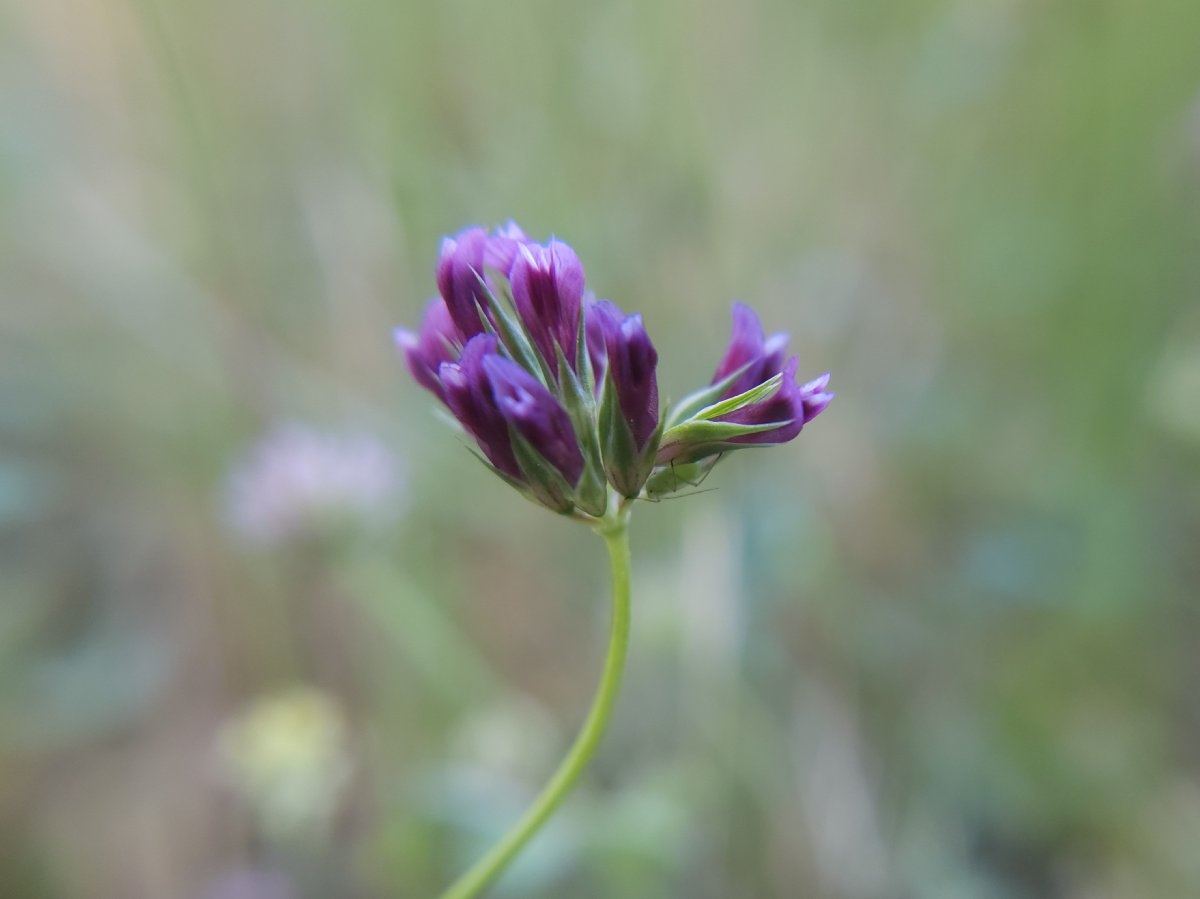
(626, 466)
(695, 434)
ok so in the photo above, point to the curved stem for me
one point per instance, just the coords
(488, 868)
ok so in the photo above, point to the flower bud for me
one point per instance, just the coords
(438, 341)
(468, 393)
(620, 347)
(536, 416)
(754, 399)
(547, 289)
(629, 424)
(792, 406)
(459, 278)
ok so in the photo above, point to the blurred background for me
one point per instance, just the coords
(267, 631)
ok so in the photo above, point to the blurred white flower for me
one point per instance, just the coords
(297, 480)
(287, 756)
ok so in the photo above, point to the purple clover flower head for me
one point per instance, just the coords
(547, 289)
(624, 352)
(459, 278)
(757, 356)
(578, 446)
(438, 341)
(470, 397)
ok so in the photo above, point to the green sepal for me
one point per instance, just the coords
(626, 467)
(592, 493)
(616, 441)
(512, 335)
(542, 479)
(700, 436)
(756, 394)
(577, 399)
(697, 439)
(650, 453)
(446, 417)
(698, 431)
(692, 403)
(587, 376)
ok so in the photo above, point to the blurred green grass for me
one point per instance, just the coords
(943, 645)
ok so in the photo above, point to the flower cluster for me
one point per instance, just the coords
(560, 390)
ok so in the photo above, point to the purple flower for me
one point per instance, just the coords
(488, 393)
(619, 345)
(792, 405)
(547, 289)
(469, 395)
(750, 361)
(438, 341)
(536, 415)
(761, 357)
(459, 273)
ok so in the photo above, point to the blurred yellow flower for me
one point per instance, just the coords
(287, 756)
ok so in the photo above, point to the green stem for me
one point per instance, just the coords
(488, 868)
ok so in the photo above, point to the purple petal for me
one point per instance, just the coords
(547, 287)
(602, 322)
(536, 415)
(425, 351)
(620, 345)
(762, 357)
(460, 268)
(745, 344)
(470, 396)
(633, 362)
(816, 398)
(503, 246)
(785, 406)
